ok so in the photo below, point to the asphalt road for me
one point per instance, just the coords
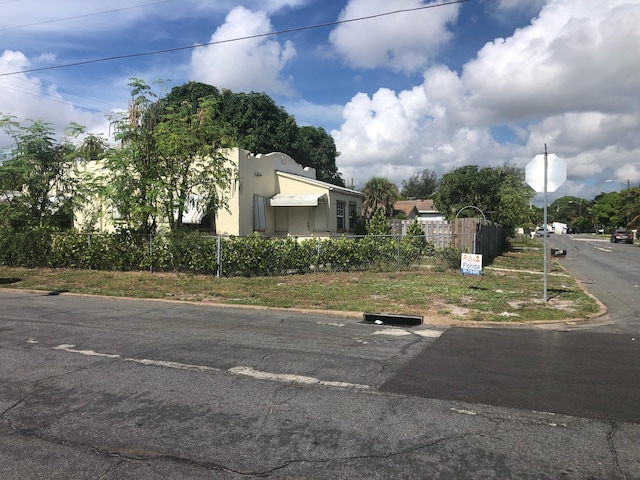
(609, 271)
(94, 388)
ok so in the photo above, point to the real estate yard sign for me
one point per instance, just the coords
(471, 264)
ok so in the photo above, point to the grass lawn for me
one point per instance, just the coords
(510, 290)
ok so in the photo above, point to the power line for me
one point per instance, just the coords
(236, 39)
(80, 16)
(35, 91)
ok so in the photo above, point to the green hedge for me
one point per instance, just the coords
(198, 253)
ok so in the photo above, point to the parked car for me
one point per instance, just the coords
(540, 232)
(621, 236)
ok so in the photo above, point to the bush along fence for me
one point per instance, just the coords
(224, 256)
(471, 235)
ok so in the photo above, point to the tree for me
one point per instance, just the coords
(36, 171)
(632, 203)
(608, 211)
(500, 193)
(510, 206)
(169, 158)
(192, 169)
(315, 148)
(378, 224)
(254, 122)
(420, 185)
(573, 211)
(132, 183)
(379, 193)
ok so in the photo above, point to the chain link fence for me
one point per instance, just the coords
(225, 256)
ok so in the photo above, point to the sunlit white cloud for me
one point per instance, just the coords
(247, 65)
(569, 80)
(403, 41)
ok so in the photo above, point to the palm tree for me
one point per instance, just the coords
(379, 193)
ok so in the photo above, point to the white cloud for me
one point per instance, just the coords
(403, 41)
(577, 56)
(26, 97)
(511, 6)
(569, 79)
(245, 65)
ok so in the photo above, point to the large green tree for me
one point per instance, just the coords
(420, 185)
(192, 170)
(34, 175)
(254, 122)
(313, 147)
(573, 211)
(379, 194)
(608, 211)
(500, 193)
(168, 159)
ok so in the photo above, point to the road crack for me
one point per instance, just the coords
(614, 451)
(388, 455)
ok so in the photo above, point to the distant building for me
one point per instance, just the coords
(421, 209)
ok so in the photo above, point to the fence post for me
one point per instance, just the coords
(151, 253)
(219, 253)
(318, 260)
(398, 251)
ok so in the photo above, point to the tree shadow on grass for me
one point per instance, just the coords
(9, 280)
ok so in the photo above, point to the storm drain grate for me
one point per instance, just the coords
(390, 319)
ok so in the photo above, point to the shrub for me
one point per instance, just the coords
(449, 257)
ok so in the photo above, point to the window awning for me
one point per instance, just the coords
(296, 200)
(194, 211)
(192, 216)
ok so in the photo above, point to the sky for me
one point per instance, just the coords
(401, 85)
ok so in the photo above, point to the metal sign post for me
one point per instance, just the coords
(545, 173)
(546, 231)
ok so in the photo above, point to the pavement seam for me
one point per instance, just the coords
(614, 451)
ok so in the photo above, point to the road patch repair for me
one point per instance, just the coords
(583, 374)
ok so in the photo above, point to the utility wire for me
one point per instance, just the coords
(236, 39)
(80, 16)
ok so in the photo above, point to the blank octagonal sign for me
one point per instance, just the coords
(556, 172)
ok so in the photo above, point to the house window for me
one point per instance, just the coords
(340, 209)
(352, 215)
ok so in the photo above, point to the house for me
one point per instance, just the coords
(421, 209)
(273, 195)
(276, 196)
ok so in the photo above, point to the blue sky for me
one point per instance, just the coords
(481, 82)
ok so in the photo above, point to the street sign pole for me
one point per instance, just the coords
(546, 233)
(545, 173)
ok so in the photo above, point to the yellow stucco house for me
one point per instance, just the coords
(273, 195)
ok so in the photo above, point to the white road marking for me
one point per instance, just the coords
(590, 239)
(240, 370)
(86, 353)
(608, 250)
(465, 412)
(331, 324)
(175, 365)
(290, 378)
